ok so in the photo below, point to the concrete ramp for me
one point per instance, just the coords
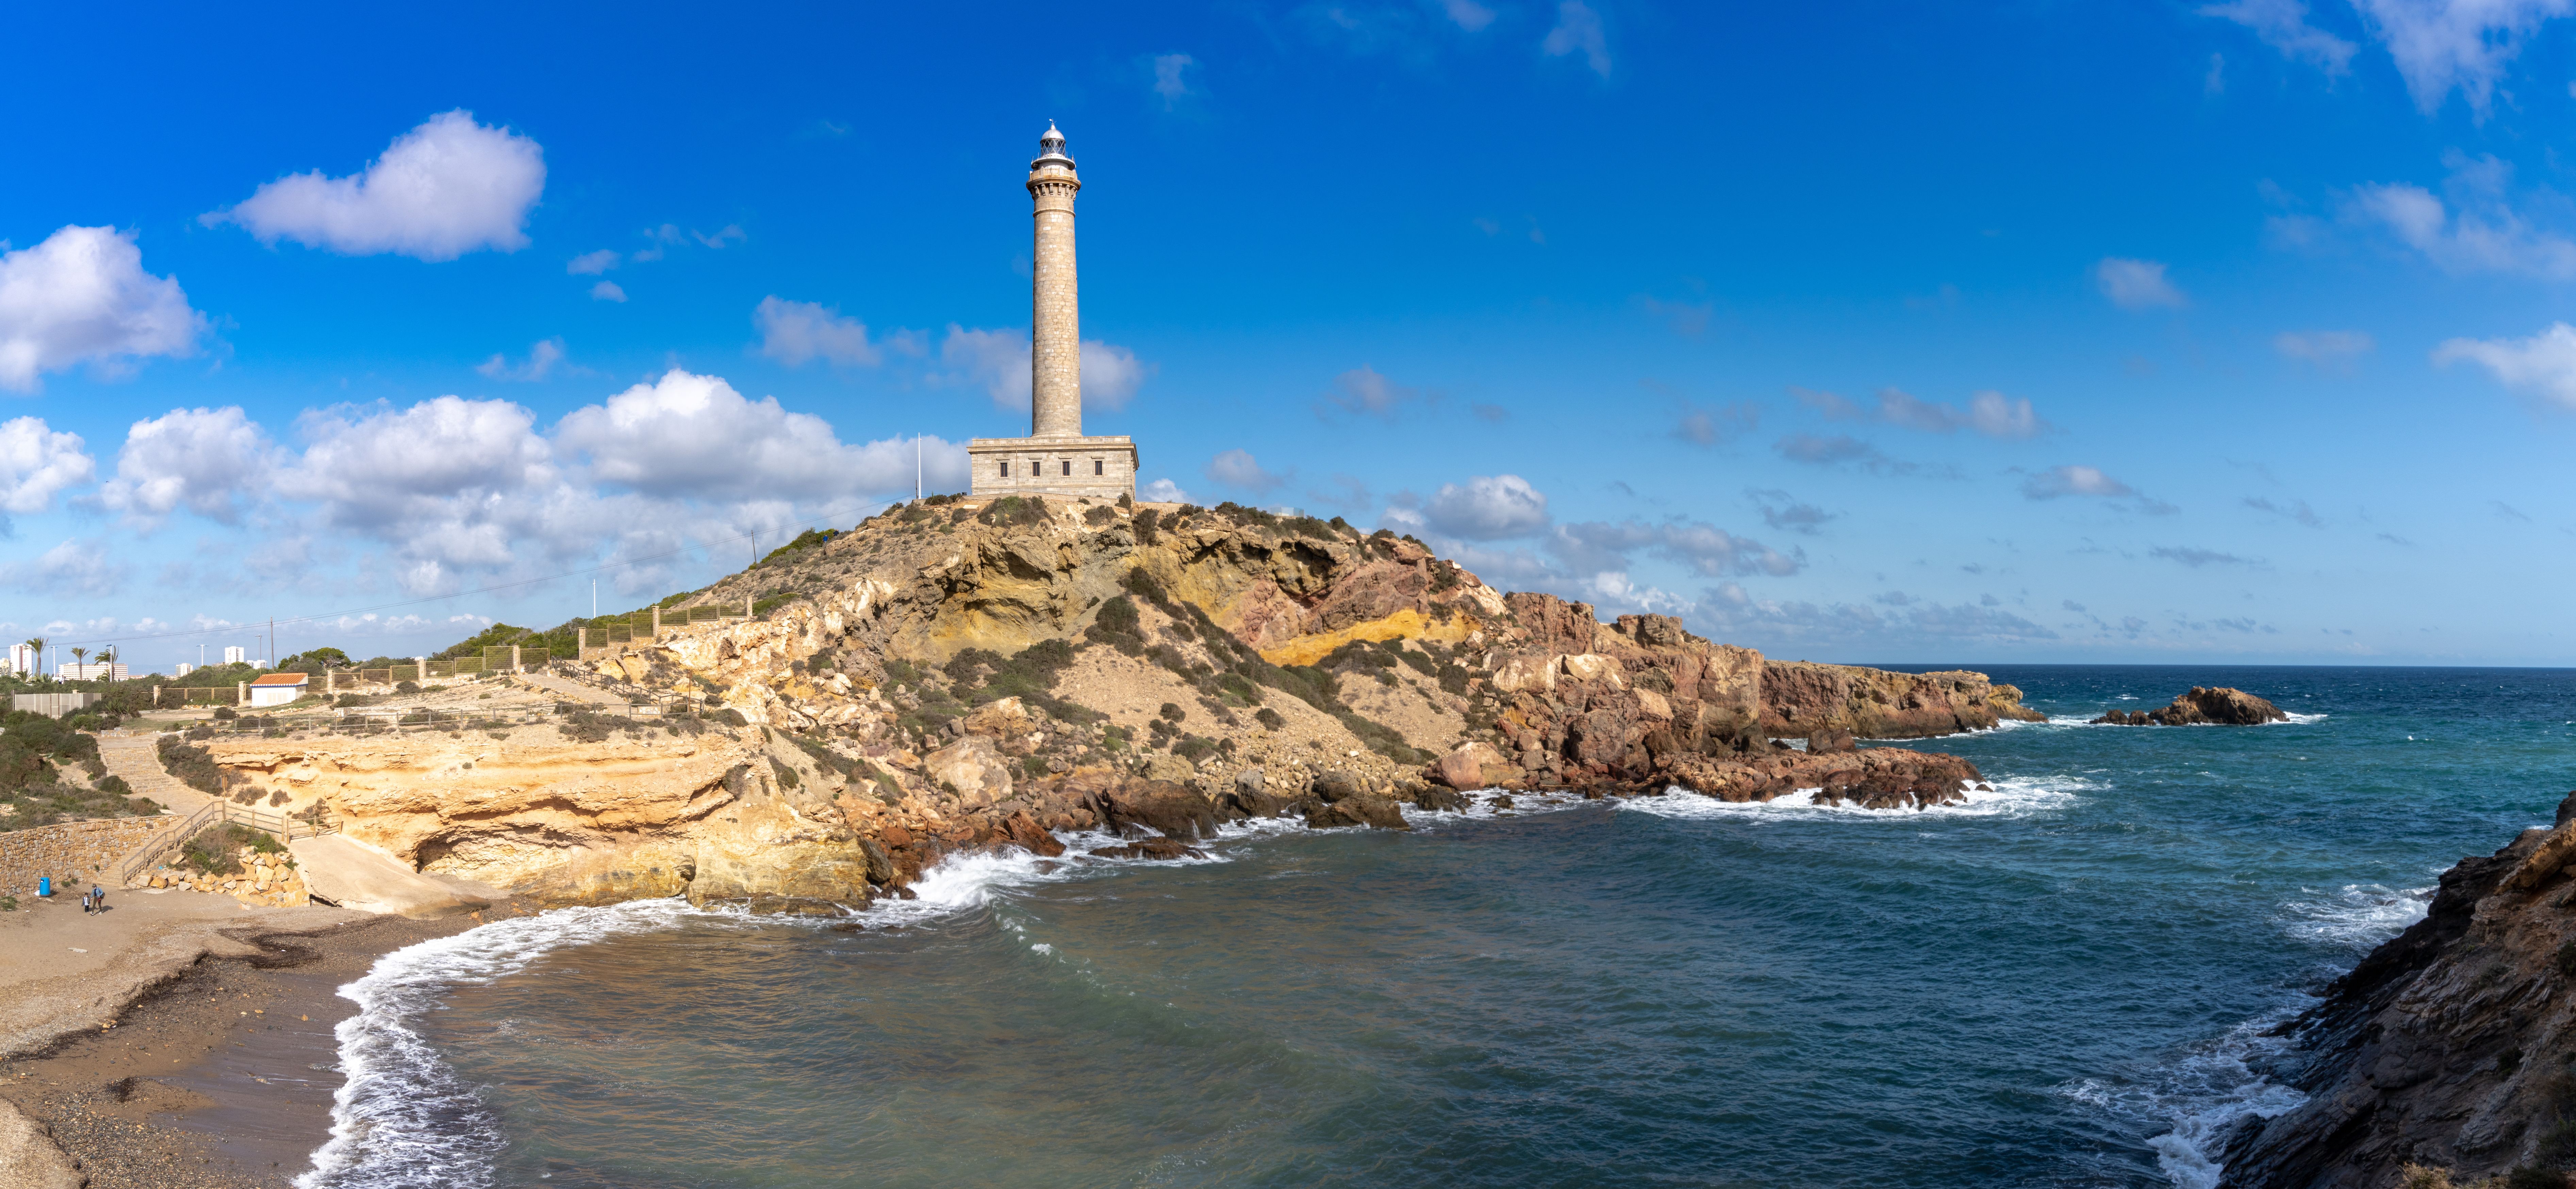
(352, 874)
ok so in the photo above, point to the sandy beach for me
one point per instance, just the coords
(177, 1039)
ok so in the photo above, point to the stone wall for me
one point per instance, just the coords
(71, 850)
(1037, 466)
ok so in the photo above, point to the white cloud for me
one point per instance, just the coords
(88, 568)
(1998, 416)
(1163, 491)
(448, 187)
(542, 358)
(591, 264)
(2061, 481)
(797, 332)
(2136, 284)
(1707, 425)
(2478, 231)
(2543, 365)
(209, 461)
(36, 462)
(607, 291)
(1237, 468)
(2283, 25)
(688, 436)
(1168, 80)
(1363, 390)
(1486, 508)
(1469, 15)
(2329, 350)
(82, 296)
(451, 484)
(1111, 375)
(998, 361)
(1592, 548)
(2465, 44)
(1579, 28)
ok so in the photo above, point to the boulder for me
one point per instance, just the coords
(1250, 795)
(1829, 741)
(1592, 666)
(1158, 805)
(1335, 786)
(1365, 810)
(1471, 766)
(973, 768)
(2203, 706)
(1151, 848)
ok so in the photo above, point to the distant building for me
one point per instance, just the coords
(94, 672)
(185, 668)
(24, 662)
(277, 689)
(235, 656)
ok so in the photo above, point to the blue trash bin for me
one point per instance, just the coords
(44, 885)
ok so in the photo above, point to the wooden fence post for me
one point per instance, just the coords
(657, 621)
(515, 666)
(746, 606)
(581, 644)
(241, 693)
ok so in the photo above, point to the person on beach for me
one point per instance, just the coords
(98, 894)
(85, 898)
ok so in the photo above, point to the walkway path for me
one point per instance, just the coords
(571, 689)
(133, 755)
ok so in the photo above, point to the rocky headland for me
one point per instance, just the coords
(2448, 1056)
(958, 673)
(2223, 706)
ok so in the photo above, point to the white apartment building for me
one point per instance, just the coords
(90, 672)
(235, 656)
(24, 661)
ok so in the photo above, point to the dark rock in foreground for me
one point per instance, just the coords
(2204, 706)
(2448, 1050)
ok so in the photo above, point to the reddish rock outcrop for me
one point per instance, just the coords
(2203, 706)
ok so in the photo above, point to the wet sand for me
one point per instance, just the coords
(220, 1077)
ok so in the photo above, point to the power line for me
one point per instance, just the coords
(753, 535)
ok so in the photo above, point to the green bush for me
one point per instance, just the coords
(190, 765)
(1147, 524)
(1118, 626)
(1194, 747)
(216, 850)
(1013, 511)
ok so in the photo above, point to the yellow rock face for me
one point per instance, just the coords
(1407, 624)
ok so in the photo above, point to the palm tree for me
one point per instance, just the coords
(78, 656)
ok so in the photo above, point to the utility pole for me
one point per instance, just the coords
(594, 598)
(916, 467)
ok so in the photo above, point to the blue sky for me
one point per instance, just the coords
(2143, 332)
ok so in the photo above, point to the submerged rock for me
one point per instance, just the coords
(2204, 705)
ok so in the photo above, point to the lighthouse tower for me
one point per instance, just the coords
(1056, 458)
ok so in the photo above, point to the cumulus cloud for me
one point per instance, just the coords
(82, 296)
(607, 291)
(2330, 350)
(2441, 45)
(798, 332)
(1989, 413)
(687, 436)
(1707, 425)
(541, 361)
(450, 482)
(998, 362)
(1782, 511)
(1593, 547)
(2283, 25)
(1237, 468)
(2477, 230)
(210, 461)
(1163, 491)
(591, 264)
(2543, 365)
(2062, 481)
(37, 462)
(1578, 29)
(1170, 78)
(82, 568)
(1486, 508)
(443, 189)
(2136, 284)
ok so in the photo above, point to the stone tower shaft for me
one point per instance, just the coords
(1055, 323)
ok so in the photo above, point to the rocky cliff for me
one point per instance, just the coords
(961, 673)
(2450, 1051)
(2222, 706)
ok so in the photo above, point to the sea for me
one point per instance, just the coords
(2071, 980)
